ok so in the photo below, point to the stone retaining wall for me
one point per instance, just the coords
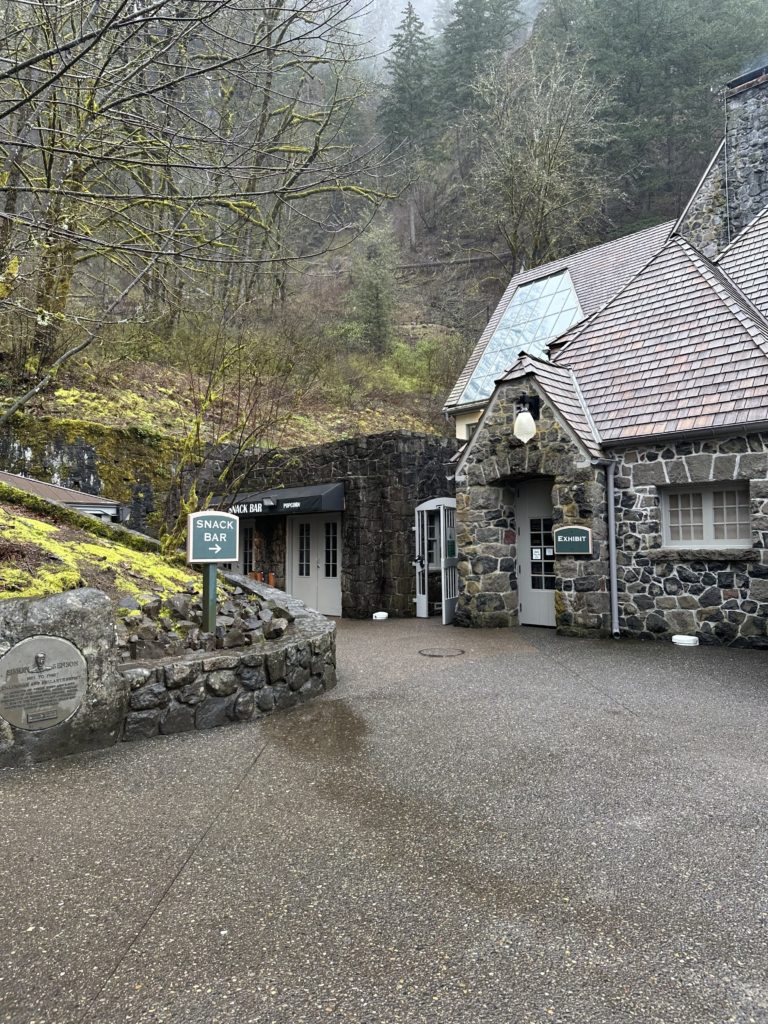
(198, 689)
(123, 464)
(385, 477)
(237, 686)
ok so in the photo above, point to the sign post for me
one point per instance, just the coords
(212, 537)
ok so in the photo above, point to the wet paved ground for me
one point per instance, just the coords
(537, 830)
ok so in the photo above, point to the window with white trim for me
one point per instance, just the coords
(246, 546)
(716, 516)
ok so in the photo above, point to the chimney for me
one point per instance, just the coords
(746, 147)
(734, 188)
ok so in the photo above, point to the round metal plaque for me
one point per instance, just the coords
(42, 682)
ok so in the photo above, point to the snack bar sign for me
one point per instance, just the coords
(572, 540)
(212, 537)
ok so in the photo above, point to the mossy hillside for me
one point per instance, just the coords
(66, 516)
(124, 456)
(320, 427)
(159, 412)
(39, 557)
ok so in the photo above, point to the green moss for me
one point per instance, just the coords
(69, 561)
(120, 407)
(17, 583)
(69, 517)
(124, 456)
(153, 568)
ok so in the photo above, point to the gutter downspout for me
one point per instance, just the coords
(613, 579)
(612, 569)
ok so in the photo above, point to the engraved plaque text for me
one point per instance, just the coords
(42, 682)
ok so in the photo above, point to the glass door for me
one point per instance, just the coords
(449, 561)
(314, 561)
(535, 554)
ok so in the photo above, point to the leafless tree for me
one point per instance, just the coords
(156, 152)
(538, 183)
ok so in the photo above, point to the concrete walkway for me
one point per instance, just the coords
(537, 829)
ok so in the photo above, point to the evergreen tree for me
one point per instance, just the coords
(442, 15)
(406, 108)
(476, 36)
(670, 59)
(374, 289)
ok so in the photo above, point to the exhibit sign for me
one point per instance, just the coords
(572, 540)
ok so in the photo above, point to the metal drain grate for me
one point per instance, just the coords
(442, 652)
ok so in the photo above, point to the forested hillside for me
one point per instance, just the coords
(242, 222)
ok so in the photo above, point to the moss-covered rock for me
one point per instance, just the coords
(129, 465)
(39, 557)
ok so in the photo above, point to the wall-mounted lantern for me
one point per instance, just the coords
(527, 407)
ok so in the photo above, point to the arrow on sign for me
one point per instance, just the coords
(212, 537)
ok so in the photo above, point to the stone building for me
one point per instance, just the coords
(334, 524)
(644, 422)
(538, 305)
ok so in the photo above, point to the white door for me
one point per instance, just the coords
(313, 556)
(448, 572)
(436, 552)
(535, 554)
(421, 563)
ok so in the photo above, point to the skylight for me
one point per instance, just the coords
(537, 313)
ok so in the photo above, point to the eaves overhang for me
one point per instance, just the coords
(725, 430)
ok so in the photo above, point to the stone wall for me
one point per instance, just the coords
(203, 692)
(744, 156)
(196, 689)
(486, 528)
(385, 477)
(718, 595)
(705, 223)
(747, 152)
(126, 465)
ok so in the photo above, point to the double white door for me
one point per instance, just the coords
(313, 557)
(436, 550)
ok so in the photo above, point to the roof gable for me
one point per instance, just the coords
(560, 387)
(679, 348)
(597, 274)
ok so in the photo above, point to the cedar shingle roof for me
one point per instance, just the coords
(679, 348)
(746, 261)
(597, 275)
(559, 386)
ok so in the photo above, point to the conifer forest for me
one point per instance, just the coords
(314, 204)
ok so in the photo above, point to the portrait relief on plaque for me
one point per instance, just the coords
(43, 680)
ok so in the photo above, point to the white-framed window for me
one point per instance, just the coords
(434, 554)
(305, 541)
(246, 546)
(331, 550)
(705, 516)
